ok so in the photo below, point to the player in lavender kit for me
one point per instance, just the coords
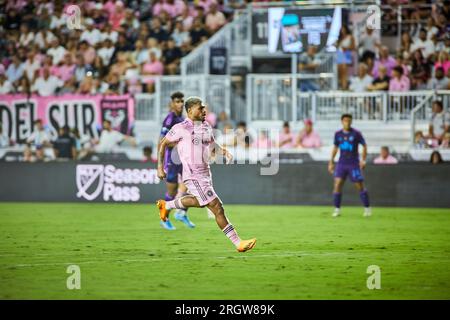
(194, 138)
(347, 141)
(173, 167)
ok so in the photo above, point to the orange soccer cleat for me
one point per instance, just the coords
(246, 245)
(163, 212)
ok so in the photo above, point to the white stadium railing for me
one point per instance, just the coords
(214, 89)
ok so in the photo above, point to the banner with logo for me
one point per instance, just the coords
(85, 112)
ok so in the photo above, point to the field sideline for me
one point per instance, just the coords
(301, 253)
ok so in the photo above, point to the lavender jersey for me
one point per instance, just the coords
(171, 120)
(193, 142)
(348, 143)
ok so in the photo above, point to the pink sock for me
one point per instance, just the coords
(232, 234)
(175, 204)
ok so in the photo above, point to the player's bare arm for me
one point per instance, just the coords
(161, 152)
(331, 163)
(362, 163)
(223, 151)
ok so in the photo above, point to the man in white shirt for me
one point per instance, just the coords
(91, 34)
(107, 51)
(37, 141)
(57, 52)
(439, 123)
(5, 86)
(110, 139)
(47, 84)
(362, 81)
(426, 45)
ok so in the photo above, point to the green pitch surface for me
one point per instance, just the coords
(301, 253)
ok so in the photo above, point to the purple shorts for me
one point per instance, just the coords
(351, 170)
(174, 172)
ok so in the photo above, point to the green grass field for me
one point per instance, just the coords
(302, 253)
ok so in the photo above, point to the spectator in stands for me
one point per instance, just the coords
(380, 83)
(443, 61)
(363, 81)
(308, 63)
(64, 147)
(198, 33)
(154, 67)
(69, 86)
(112, 85)
(345, 50)
(385, 60)
(436, 158)
(308, 138)
(107, 51)
(420, 70)
(157, 32)
(5, 86)
(227, 137)
(287, 138)
(424, 45)
(263, 141)
(4, 139)
(37, 141)
(440, 81)
(419, 140)
(223, 120)
(91, 34)
(405, 45)
(214, 19)
(46, 85)
(179, 34)
(171, 57)
(439, 123)
(385, 157)
(15, 70)
(398, 82)
(88, 52)
(56, 51)
(32, 64)
(67, 69)
(110, 139)
(148, 155)
(369, 44)
(24, 86)
(243, 137)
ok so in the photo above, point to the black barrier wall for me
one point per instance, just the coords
(408, 185)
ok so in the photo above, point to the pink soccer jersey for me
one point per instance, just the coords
(193, 141)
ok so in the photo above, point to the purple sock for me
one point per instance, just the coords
(168, 197)
(337, 197)
(364, 198)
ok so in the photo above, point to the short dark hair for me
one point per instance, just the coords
(109, 121)
(346, 115)
(286, 124)
(242, 124)
(37, 121)
(147, 149)
(440, 160)
(192, 101)
(399, 69)
(177, 95)
(439, 103)
(385, 148)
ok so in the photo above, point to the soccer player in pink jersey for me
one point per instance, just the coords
(193, 138)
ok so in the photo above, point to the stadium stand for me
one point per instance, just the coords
(388, 78)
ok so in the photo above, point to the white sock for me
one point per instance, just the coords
(232, 234)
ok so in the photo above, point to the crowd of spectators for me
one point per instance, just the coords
(421, 61)
(118, 42)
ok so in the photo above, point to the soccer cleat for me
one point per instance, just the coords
(336, 213)
(246, 245)
(367, 212)
(167, 225)
(181, 215)
(163, 212)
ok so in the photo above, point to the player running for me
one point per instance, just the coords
(194, 138)
(172, 165)
(347, 141)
